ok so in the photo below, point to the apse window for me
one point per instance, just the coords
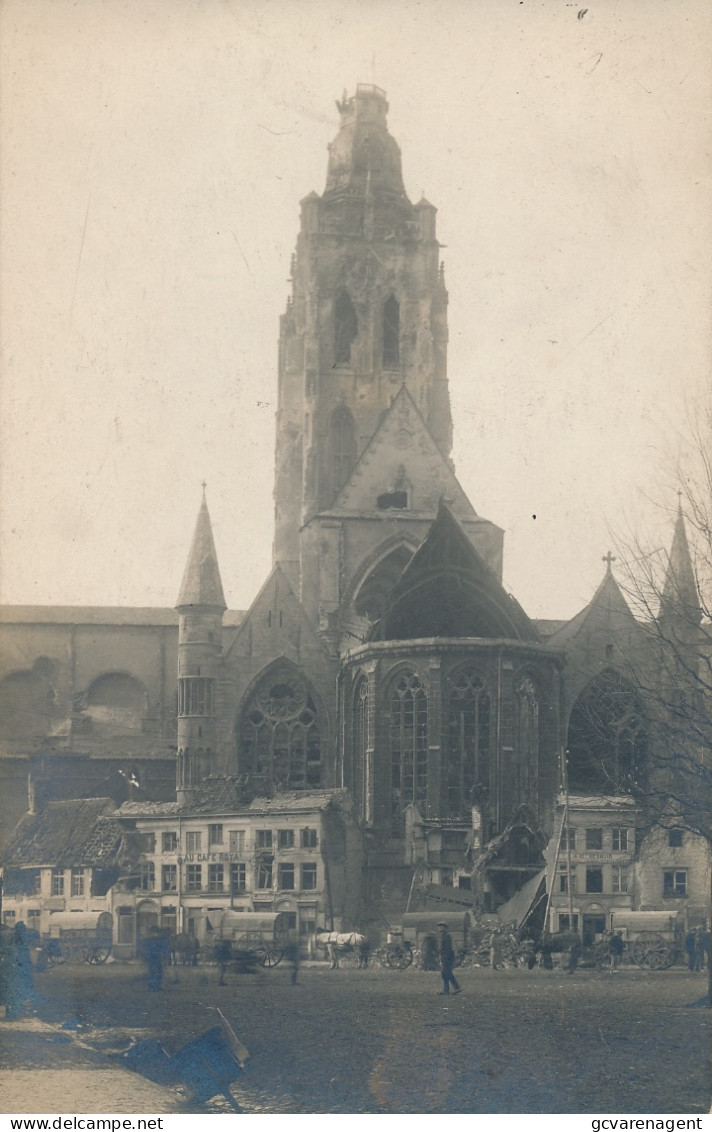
(393, 501)
(675, 882)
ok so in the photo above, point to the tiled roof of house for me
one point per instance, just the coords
(79, 832)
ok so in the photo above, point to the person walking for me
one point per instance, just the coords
(615, 950)
(155, 949)
(690, 949)
(447, 960)
(223, 955)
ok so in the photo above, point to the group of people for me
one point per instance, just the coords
(697, 946)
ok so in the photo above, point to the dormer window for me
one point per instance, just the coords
(392, 501)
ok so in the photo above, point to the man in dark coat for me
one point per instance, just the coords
(155, 952)
(447, 960)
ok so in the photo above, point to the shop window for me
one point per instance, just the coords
(594, 880)
(77, 882)
(194, 878)
(216, 878)
(58, 882)
(309, 839)
(290, 920)
(285, 838)
(675, 882)
(675, 838)
(285, 877)
(308, 876)
(307, 926)
(169, 842)
(215, 835)
(594, 838)
(564, 922)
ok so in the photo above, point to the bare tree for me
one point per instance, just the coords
(670, 595)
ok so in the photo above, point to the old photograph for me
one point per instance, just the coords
(355, 557)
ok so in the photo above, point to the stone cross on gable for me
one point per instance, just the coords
(608, 559)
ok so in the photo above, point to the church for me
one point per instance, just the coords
(384, 690)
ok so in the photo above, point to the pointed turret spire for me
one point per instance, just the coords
(680, 596)
(201, 581)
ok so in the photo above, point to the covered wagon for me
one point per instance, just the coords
(650, 939)
(79, 937)
(261, 936)
(420, 932)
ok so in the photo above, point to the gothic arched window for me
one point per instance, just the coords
(391, 333)
(345, 328)
(469, 710)
(342, 446)
(527, 739)
(607, 741)
(408, 747)
(360, 749)
(278, 733)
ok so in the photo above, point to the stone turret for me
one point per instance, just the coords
(201, 606)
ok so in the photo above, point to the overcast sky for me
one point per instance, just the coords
(154, 156)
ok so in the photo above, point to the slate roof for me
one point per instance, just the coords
(225, 794)
(111, 615)
(201, 585)
(80, 832)
(448, 590)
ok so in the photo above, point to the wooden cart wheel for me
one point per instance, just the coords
(271, 958)
(601, 955)
(660, 956)
(639, 951)
(99, 954)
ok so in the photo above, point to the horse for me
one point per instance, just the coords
(342, 943)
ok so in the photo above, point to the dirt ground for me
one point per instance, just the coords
(381, 1041)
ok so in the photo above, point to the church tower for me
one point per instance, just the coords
(367, 316)
(201, 606)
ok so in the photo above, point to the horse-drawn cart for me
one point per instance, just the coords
(650, 939)
(255, 936)
(79, 937)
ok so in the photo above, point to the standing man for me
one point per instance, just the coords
(155, 949)
(447, 960)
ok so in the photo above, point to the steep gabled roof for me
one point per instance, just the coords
(402, 447)
(201, 584)
(78, 832)
(448, 590)
(608, 601)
